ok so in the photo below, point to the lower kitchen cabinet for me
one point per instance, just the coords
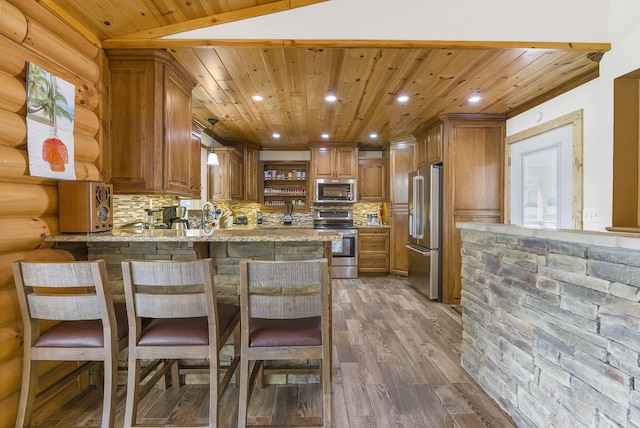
(373, 250)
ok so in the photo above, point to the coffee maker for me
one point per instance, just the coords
(175, 217)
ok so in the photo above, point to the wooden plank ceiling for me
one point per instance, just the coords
(293, 77)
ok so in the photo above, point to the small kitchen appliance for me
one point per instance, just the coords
(85, 206)
(334, 191)
(175, 217)
(288, 209)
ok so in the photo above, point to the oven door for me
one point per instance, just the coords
(344, 258)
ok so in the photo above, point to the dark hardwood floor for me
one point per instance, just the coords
(396, 364)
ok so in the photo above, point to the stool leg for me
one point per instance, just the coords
(244, 392)
(110, 387)
(133, 384)
(27, 393)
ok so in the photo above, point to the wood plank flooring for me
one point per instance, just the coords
(396, 364)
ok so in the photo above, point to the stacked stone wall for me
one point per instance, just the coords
(551, 324)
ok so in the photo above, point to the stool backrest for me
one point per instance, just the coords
(64, 291)
(284, 289)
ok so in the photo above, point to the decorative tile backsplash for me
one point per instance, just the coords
(131, 209)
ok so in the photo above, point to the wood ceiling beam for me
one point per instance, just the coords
(141, 43)
(220, 18)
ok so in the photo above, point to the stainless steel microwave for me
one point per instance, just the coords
(334, 191)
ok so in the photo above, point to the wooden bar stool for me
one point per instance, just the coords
(184, 321)
(89, 329)
(285, 307)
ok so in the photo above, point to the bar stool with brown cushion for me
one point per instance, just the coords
(285, 308)
(185, 322)
(90, 330)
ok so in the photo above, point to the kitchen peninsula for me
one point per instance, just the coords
(225, 246)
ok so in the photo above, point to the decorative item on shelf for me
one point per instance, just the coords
(212, 158)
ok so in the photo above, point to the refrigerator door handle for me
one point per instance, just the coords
(418, 225)
(412, 248)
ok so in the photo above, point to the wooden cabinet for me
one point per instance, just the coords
(373, 180)
(284, 181)
(473, 186)
(402, 160)
(334, 161)
(429, 145)
(226, 178)
(251, 173)
(373, 250)
(150, 147)
(434, 144)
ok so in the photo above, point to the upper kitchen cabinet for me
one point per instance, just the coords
(334, 161)
(151, 148)
(226, 178)
(429, 145)
(373, 180)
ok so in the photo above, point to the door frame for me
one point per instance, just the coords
(575, 119)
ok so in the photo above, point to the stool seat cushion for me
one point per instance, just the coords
(185, 331)
(285, 332)
(83, 333)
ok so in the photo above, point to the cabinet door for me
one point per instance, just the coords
(219, 178)
(177, 135)
(134, 146)
(434, 144)
(402, 161)
(373, 179)
(322, 162)
(196, 165)
(399, 238)
(251, 174)
(236, 177)
(345, 162)
(422, 152)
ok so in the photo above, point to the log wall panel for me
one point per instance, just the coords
(14, 93)
(28, 7)
(13, 23)
(29, 205)
(21, 200)
(24, 233)
(6, 276)
(13, 128)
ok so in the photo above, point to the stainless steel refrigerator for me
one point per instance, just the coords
(425, 231)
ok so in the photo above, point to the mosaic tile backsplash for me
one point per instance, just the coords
(131, 209)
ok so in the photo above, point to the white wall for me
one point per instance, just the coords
(596, 98)
(487, 20)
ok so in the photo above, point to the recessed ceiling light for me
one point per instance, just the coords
(331, 98)
(325, 135)
(257, 98)
(474, 99)
(373, 135)
(275, 135)
(403, 98)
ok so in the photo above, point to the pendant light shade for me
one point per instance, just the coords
(212, 158)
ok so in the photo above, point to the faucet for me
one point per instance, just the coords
(209, 212)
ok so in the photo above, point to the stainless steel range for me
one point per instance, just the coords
(344, 257)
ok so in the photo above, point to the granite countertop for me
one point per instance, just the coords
(236, 234)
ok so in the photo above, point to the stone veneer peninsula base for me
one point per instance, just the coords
(551, 323)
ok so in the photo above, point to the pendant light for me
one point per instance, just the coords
(212, 159)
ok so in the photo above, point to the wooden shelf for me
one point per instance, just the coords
(284, 181)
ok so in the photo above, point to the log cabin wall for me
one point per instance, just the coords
(29, 205)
